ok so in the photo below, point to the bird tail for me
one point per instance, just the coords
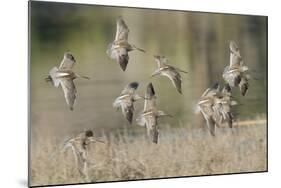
(196, 109)
(52, 77)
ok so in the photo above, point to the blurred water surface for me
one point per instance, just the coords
(193, 41)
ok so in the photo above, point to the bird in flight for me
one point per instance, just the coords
(119, 48)
(236, 73)
(216, 107)
(223, 106)
(169, 71)
(206, 104)
(150, 114)
(64, 76)
(126, 100)
(79, 146)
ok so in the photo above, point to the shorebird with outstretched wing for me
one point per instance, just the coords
(169, 71)
(150, 114)
(216, 107)
(236, 73)
(64, 76)
(119, 48)
(126, 100)
(79, 146)
(206, 104)
(223, 106)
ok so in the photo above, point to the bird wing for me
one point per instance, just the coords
(159, 60)
(243, 85)
(150, 98)
(234, 48)
(207, 113)
(154, 132)
(152, 128)
(127, 109)
(121, 56)
(141, 120)
(226, 91)
(212, 126)
(54, 79)
(217, 112)
(233, 78)
(122, 30)
(206, 108)
(149, 104)
(206, 92)
(235, 60)
(67, 63)
(235, 57)
(227, 115)
(174, 76)
(69, 90)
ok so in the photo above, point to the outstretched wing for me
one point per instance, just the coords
(128, 110)
(153, 129)
(174, 76)
(212, 91)
(150, 122)
(121, 56)
(53, 78)
(67, 62)
(69, 90)
(150, 98)
(207, 113)
(160, 60)
(233, 77)
(244, 85)
(122, 30)
(235, 57)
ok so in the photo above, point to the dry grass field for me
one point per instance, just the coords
(180, 152)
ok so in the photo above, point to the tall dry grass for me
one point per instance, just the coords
(180, 152)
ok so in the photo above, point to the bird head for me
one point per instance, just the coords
(89, 133)
(68, 55)
(134, 85)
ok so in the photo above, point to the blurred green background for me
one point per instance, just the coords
(193, 41)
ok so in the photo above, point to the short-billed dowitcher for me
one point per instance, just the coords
(119, 48)
(126, 100)
(64, 76)
(167, 70)
(80, 146)
(150, 114)
(236, 73)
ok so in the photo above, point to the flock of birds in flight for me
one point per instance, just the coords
(215, 104)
